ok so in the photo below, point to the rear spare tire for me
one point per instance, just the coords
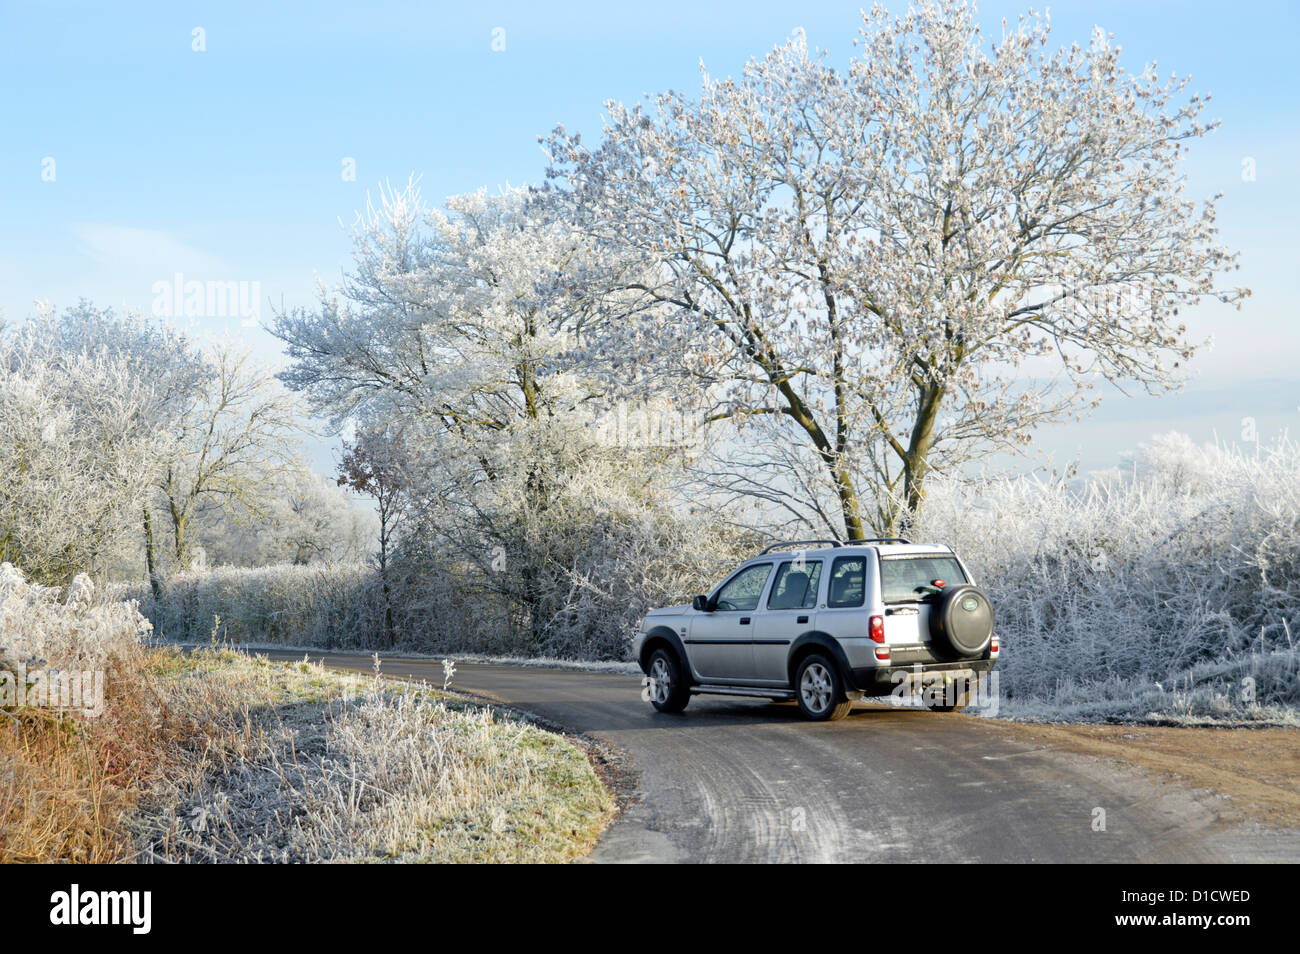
(961, 622)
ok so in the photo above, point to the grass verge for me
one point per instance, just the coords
(218, 756)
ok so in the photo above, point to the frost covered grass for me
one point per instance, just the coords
(67, 781)
(218, 755)
(1167, 589)
(379, 772)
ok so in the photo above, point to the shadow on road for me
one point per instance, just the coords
(635, 715)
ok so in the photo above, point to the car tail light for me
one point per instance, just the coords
(877, 629)
(939, 584)
(882, 652)
(994, 645)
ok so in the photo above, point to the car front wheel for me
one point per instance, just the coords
(667, 686)
(820, 691)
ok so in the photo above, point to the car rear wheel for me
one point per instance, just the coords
(668, 689)
(820, 691)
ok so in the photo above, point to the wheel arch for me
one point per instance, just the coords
(664, 637)
(814, 641)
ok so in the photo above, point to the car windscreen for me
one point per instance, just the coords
(904, 578)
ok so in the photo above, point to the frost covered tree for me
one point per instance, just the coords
(459, 329)
(453, 329)
(453, 316)
(375, 464)
(868, 260)
(315, 521)
(227, 447)
(79, 441)
(306, 519)
(113, 416)
(162, 358)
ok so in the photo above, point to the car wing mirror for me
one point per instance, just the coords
(700, 604)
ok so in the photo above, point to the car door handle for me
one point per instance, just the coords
(802, 619)
(744, 620)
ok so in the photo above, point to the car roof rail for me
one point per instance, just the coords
(799, 543)
(877, 540)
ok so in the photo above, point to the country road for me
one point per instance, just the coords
(738, 780)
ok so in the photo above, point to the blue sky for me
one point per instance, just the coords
(226, 164)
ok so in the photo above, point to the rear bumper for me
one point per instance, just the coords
(882, 680)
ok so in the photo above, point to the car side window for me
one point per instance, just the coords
(743, 590)
(848, 582)
(796, 585)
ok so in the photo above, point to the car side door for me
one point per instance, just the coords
(720, 642)
(788, 613)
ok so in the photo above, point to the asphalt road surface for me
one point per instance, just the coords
(741, 780)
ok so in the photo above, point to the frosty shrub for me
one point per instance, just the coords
(570, 583)
(67, 783)
(1171, 585)
(326, 605)
(565, 576)
(77, 632)
(621, 554)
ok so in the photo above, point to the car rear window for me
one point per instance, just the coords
(905, 578)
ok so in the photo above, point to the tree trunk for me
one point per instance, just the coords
(849, 506)
(179, 520)
(150, 556)
(390, 635)
(799, 412)
(916, 464)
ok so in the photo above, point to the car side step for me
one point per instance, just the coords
(743, 691)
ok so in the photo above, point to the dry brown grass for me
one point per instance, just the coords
(67, 785)
(233, 736)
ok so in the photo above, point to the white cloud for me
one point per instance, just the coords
(125, 247)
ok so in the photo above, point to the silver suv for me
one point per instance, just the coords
(826, 623)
